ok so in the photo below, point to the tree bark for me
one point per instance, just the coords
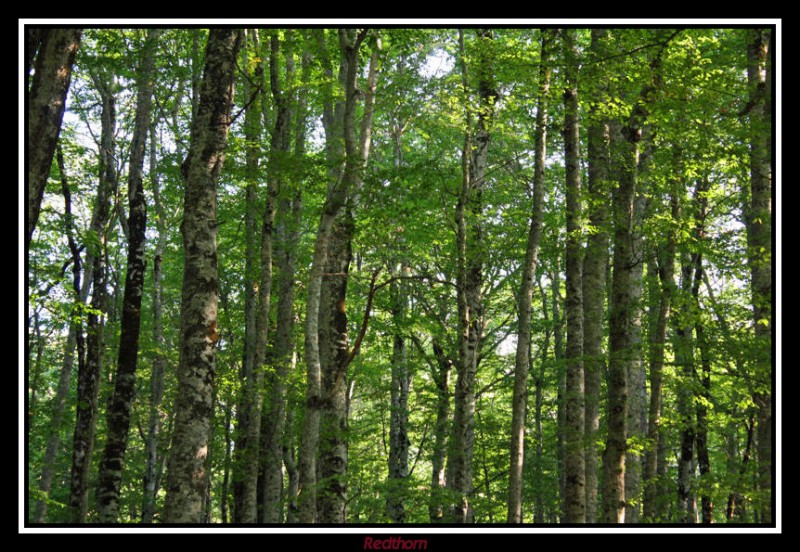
(342, 146)
(595, 262)
(398, 422)
(441, 377)
(75, 339)
(151, 474)
(522, 357)
(636, 422)
(186, 472)
(89, 377)
(119, 411)
(47, 98)
(658, 335)
(575, 507)
(335, 354)
(684, 360)
(758, 219)
(286, 240)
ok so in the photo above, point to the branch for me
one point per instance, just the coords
(364, 323)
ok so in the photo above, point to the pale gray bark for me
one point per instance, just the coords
(398, 410)
(47, 97)
(89, 377)
(258, 281)
(334, 348)
(286, 239)
(159, 362)
(758, 219)
(470, 261)
(575, 507)
(595, 262)
(341, 145)
(186, 473)
(636, 422)
(522, 358)
(119, 410)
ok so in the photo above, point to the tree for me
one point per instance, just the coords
(186, 476)
(89, 376)
(55, 51)
(758, 219)
(119, 410)
(575, 498)
(522, 358)
(469, 278)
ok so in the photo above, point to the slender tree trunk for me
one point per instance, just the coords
(522, 357)
(341, 142)
(398, 423)
(701, 439)
(151, 474)
(75, 339)
(575, 511)
(595, 262)
(539, 475)
(119, 412)
(620, 305)
(758, 219)
(666, 277)
(636, 422)
(89, 377)
(246, 450)
(684, 360)
(441, 378)
(335, 355)
(290, 461)
(560, 354)
(47, 98)
(186, 477)
(286, 238)
(471, 254)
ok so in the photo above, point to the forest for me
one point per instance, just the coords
(398, 275)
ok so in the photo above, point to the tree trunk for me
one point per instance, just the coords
(575, 508)
(286, 239)
(636, 422)
(335, 355)
(758, 219)
(398, 422)
(441, 377)
(620, 306)
(561, 415)
(47, 98)
(342, 146)
(666, 277)
(186, 477)
(89, 377)
(684, 361)
(471, 254)
(75, 339)
(119, 411)
(595, 262)
(522, 357)
(246, 452)
(151, 474)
